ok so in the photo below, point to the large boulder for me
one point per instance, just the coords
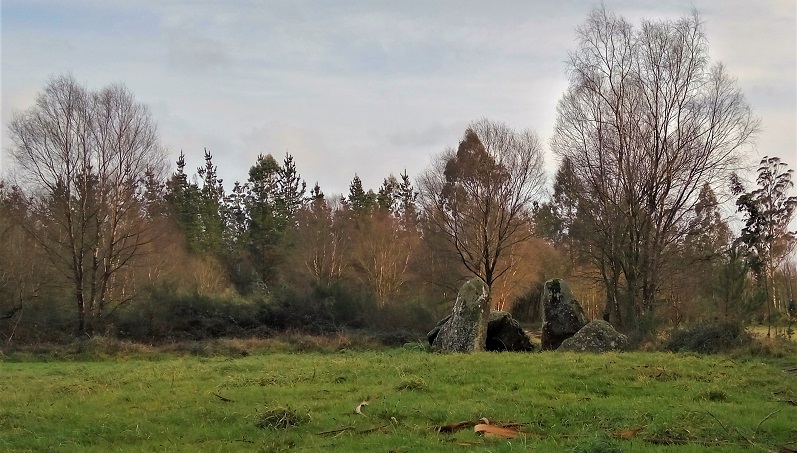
(504, 333)
(597, 336)
(562, 315)
(466, 329)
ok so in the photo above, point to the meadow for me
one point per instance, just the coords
(279, 399)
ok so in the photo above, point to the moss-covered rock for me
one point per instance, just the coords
(562, 315)
(597, 336)
(466, 329)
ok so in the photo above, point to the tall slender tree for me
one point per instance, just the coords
(769, 209)
(646, 122)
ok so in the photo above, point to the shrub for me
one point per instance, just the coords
(708, 338)
(396, 338)
(768, 347)
(167, 315)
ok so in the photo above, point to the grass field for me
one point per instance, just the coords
(275, 401)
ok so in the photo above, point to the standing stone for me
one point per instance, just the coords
(466, 329)
(504, 333)
(562, 315)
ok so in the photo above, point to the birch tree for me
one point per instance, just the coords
(84, 155)
(646, 122)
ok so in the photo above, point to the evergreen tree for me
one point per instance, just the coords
(386, 197)
(211, 208)
(291, 190)
(768, 210)
(183, 199)
(406, 201)
(276, 193)
(360, 201)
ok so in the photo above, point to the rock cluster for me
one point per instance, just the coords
(473, 327)
(467, 328)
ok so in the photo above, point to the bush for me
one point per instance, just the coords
(322, 309)
(396, 338)
(708, 338)
(167, 315)
(769, 347)
(410, 319)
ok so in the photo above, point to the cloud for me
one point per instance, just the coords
(350, 87)
(430, 135)
(191, 54)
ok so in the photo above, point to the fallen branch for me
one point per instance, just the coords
(349, 428)
(496, 431)
(370, 430)
(10, 314)
(335, 431)
(226, 400)
(454, 427)
(747, 439)
(765, 419)
(790, 369)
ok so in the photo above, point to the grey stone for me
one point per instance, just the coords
(436, 330)
(562, 315)
(466, 329)
(504, 333)
(597, 336)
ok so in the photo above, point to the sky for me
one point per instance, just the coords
(360, 87)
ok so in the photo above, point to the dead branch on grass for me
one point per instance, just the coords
(226, 400)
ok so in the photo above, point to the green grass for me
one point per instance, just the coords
(305, 401)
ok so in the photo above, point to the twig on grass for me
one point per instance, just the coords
(754, 444)
(349, 428)
(765, 419)
(335, 431)
(370, 430)
(454, 427)
(718, 421)
(226, 400)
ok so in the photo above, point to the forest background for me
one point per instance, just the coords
(102, 236)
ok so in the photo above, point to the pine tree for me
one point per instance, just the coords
(360, 201)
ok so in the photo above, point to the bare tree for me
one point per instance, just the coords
(478, 198)
(646, 122)
(22, 275)
(381, 253)
(322, 251)
(85, 156)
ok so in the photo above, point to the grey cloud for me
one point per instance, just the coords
(197, 54)
(430, 135)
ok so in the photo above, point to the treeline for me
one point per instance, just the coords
(187, 258)
(99, 235)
